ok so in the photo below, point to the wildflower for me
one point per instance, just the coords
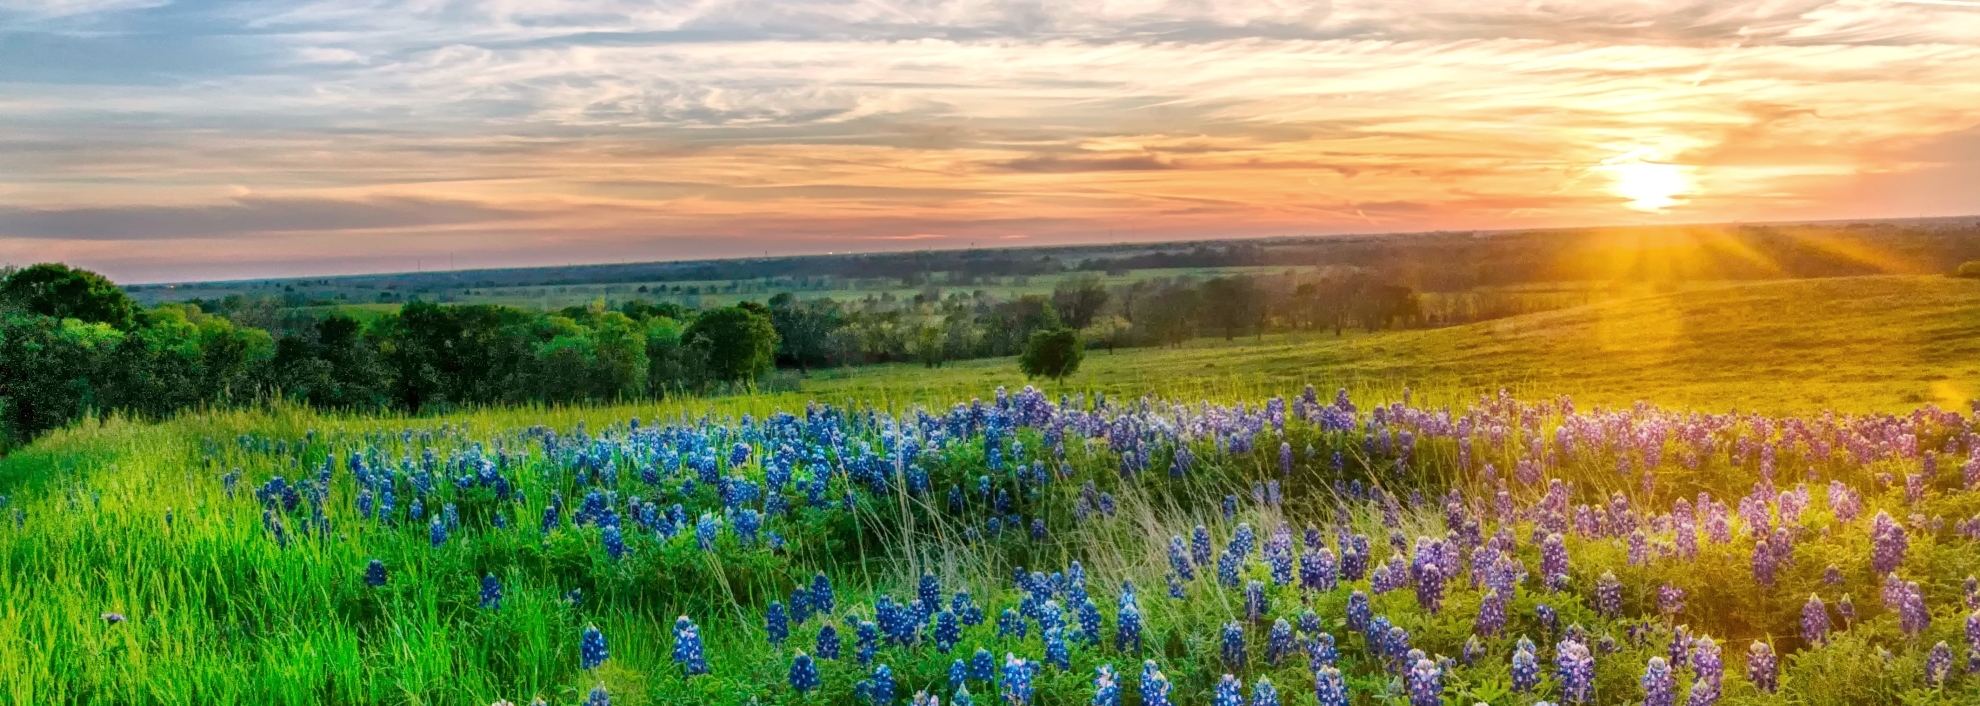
(1278, 642)
(1888, 543)
(1056, 652)
(437, 533)
(1608, 595)
(1320, 651)
(1154, 686)
(1763, 667)
(1264, 694)
(1009, 624)
(1255, 602)
(1705, 663)
(866, 641)
(1233, 645)
(1659, 687)
(1426, 684)
(1199, 545)
(112, 618)
(947, 632)
(491, 592)
(1491, 614)
(1554, 562)
(687, 647)
(880, 687)
(1229, 692)
(827, 645)
(1576, 668)
(1525, 667)
(1127, 635)
(1329, 688)
(374, 574)
(776, 624)
(804, 673)
(598, 697)
(1106, 686)
(591, 649)
(1318, 571)
(1814, 621)
(1017, 680)
(982, 665)
(1938, 664)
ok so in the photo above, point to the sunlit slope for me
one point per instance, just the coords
(1871, 343)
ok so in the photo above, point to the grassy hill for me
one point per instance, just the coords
(1864, 343)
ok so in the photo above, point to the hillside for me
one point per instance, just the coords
(1866, 343)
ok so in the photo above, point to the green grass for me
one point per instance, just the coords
(1853, 344)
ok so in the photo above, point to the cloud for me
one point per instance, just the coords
(243, 216)
(1047, 164)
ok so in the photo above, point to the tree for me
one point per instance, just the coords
(1078, 299)
(1109, 331)
(804, 329)
(740, 341)
(1969, 269)
(1052, 353)
(53, 289)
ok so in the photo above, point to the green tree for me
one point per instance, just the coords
(1078, 299)
(740, 341)
(53, 289)
(1051, 353)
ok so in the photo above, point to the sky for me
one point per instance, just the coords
(174, 140)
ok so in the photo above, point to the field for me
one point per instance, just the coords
(1131, 535)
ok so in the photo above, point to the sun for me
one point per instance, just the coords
(1650, 185)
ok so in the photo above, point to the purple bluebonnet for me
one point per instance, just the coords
(1525, 667)
(1608, 595)
(1763, 667)
(1256, 604)
(1814, 621)
(1491, 614)
(1888, 544)
(1199, 546)
(1575, 667)
(374, 574)
(687, 647)
(1233, 645)
(1127, 634)
(1709, 671)
(1278, 642)
(1659, 686)
(1321, 652)
(1938, 664)
(1179, 559)
(1426, 684)
(1228, 692)
(1554, 562)
(1264, 694)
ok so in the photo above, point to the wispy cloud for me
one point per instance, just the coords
(613, 128)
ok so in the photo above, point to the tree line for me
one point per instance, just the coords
(73, 343)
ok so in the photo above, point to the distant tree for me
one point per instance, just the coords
(1969, 269)
(804, 329)
(1171, 314)
(1110, 331)
(53, 289)
(1078, 299)
(1051, 353)
(1236, 305)
(740, 341)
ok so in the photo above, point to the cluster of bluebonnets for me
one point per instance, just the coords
(1302, 550)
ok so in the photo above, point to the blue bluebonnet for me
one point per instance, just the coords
(615, 542)
(1938, 665)
(1179, 559)
(598, 697)
(1256, 605)
(591, 649)
(1106, 686)
(961, 697)
(866, 641)
(1017, 680)
(1233, 645)
(776, 623)
(947, 631)
(982, 666)
(1554, 562)
(1321, 652)
(1278, 642)
(1318, 571)
(437, 533)
(804, 673)
(1228, 692)
(1575, 668)
(1010, 624)
(1264, 694)
(1329, 688)
(1358, 611)
(821, 593)
(1127, 635)
(1708, 671)
(1154, 685)
(374, 574)
(880, 686)
(827, 644)
(1491, 614)
(1199, 545)
(705, 531)
(687, 647)
(491, 592)
(1608, 595)
(1525, 667)
(1056, 652)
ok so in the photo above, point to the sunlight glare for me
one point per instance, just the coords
(1648, 184)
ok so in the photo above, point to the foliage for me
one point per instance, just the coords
(740, 341)
(1052, 353)
(53, 289)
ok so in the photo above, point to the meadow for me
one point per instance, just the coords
(1758, 493)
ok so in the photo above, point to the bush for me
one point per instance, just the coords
(1051, 353)
(1969, 269)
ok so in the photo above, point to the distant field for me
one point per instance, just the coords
(1863, 344)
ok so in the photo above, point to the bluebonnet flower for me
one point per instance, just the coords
(1608, 595)
(1233, 645)
(1056, 652)
(437, 533)
(374, 574)
(880, 686)
(1973, 642)
(1472, 650)
(1243, 539)
(1426, 684)
(982, 666)
(491, 592)
(687, 647)
(1255, 602)
(1659, 687)
(1888, 543)
(821, 593)
(1010, 624)
(947, 632)
(1358, 611)
(1554, 562)
(615, 543)
(1670, 599)
(1228, 692)
(866, 641)
(1709, 672)
(804, 673)
(1127, 633)
(827, 644)
(1106, 686)
(1264, 694)
(1179, 559)
(1491, 613)
(705, 530)
(1321, 652)
(1548, 618)
(776, 624)
(1199, 545)
(1525, 667)
(1576, 669)
(598, 697)
(1278, 642)
(1154, 685)
(1763, 667)
(591, 649)
(1814, 621)
(1017, 680)
(1317, 570)
(1329, 688)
